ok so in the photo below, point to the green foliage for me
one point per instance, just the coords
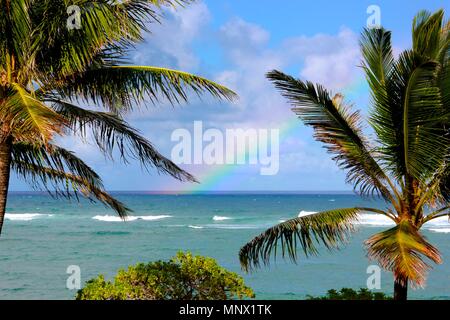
(184, 277)
(407, 164)
(350, 294)
(329, 227)
(47, 70)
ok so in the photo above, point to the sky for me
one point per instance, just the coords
(235, 43)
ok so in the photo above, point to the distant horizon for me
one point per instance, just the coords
(256, 192)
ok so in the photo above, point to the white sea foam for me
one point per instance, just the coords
(195, 227)
(441, 230)
(109, 218)
(380, 220)
(220, 218)
(370, 219)
(236, 226)
(25, 216)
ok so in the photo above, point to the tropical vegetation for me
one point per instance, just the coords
(351, 294)
(407, 163)
(184, 277)
(57, 81)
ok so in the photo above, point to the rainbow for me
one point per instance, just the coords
(216, 177)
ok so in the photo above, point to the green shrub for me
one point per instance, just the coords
(350, 294)
(184, 277)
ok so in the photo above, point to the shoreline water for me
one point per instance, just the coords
(35, 252)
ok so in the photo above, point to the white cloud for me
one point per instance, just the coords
(170, 42)
(244, 36)
(329, 59)
(334, 60)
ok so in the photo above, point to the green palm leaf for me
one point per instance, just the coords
(120, 87)
(425, 145)
(61, 173)
(427, 33)
(92, 192)
(28, 117)
(55, 157)
(336, 126)
(329, 228)
(111, 132)
(14, 39)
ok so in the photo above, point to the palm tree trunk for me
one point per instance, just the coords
(5, 168)
(400, 290)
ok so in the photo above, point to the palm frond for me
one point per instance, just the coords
(407, 101)
(62, 174)
(28, 117)
(104, 25)
(336, 126)
(119, 87)
(401, 250)
(386, 113)
(14, 39)
(55, 157)
(329, 228)
(426, 33)
(378, 61)
(424, 141)
(111, 132)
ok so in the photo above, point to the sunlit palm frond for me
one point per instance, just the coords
(111, 132)
(62, 174)
(340, 129)
(28, 117)
(401, 250)
(120, 87)
(329, 228)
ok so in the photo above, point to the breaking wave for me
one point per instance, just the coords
(26, 216)
(109, 218)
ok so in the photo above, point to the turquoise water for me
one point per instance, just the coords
(43, 236)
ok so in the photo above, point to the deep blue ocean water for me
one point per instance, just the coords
(43, 236)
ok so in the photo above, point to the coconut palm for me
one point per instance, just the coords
(407, 164)
(57, 81)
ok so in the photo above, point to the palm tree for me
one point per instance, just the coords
(407, 164)
(48, 70)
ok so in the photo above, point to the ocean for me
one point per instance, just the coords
(42, 236)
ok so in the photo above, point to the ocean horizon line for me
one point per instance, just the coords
(204, 192)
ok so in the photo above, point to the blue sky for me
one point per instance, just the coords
(236, 42)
